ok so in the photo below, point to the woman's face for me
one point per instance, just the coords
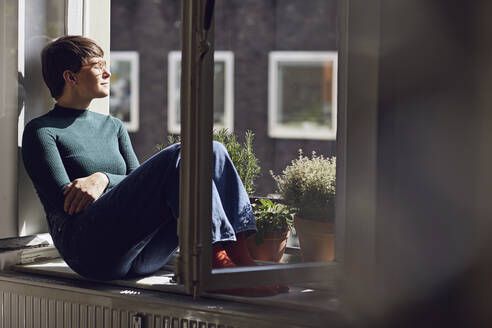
(93, 79)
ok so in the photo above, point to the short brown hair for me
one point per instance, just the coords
(67, 52)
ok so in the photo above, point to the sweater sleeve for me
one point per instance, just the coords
(43, 163)
(126, 150)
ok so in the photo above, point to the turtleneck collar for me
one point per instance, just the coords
(60, 110)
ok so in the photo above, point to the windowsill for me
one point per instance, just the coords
(305, 297)
(41, 261)
(160, 281)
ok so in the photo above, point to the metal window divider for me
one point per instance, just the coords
(196, 142)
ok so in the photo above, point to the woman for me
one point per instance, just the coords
(111, 218)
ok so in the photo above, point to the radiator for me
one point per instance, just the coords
(21, 311)
(33, 301)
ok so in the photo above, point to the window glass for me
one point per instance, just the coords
(246, 34)
(285, 77)
(40, 21)
(149, 30)
(124, 93)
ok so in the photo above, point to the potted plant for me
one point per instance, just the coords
(274, 222)
(309, 184)
(242, 155)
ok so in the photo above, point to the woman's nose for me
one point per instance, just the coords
(106, 73)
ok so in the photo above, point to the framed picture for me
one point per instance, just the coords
(123, 99)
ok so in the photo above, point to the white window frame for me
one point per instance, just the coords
(133, 57)
(276, 130)
(174, 61)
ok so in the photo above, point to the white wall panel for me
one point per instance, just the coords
(8, 117)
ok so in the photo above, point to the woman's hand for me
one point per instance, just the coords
(82, 192)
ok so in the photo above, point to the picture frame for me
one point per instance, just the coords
(124, 88)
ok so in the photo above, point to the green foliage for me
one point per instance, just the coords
(242, 155)
(271, 216)
(309, 184)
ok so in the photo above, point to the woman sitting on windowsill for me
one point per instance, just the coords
(111, 218)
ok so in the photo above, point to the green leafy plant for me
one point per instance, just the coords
(242, 155)
(309, 184)
(271, 216)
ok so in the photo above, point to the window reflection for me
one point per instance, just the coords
(39, 21)
(43, 21)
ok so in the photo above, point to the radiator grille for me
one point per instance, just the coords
(21, 311)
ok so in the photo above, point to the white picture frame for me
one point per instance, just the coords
(124, 94)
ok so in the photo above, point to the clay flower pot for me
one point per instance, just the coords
(316, 239)
(273, 247)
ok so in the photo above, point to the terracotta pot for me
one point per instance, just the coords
(273, 247)
(316, 239)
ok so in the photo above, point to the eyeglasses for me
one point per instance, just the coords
(99, 66)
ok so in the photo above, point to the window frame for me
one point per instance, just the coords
(276, 130)
(245, 276)
(174, 59)
(194, 266)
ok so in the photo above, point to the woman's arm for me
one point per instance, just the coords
(45, 167)
(44, 164)
(126, 150)
(82, 192)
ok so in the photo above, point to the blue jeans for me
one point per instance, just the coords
(131, 229)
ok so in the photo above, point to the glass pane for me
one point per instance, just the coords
(285, 76)
(124, 95)
(249, 32)
(120, 89)
(40, 21)
(44, 21)
(150, 30)
(305, 94)
(219, 92)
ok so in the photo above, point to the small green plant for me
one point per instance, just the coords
(309, 184)
(242, 155)
(271, 216)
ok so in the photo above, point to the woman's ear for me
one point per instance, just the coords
(69, 77)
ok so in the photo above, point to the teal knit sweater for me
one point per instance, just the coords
(66, 144)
